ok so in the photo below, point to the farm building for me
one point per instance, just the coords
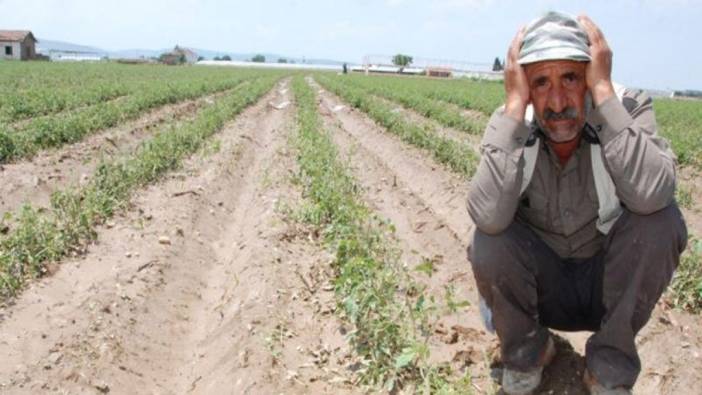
(443, 68)
(75, 56)
(179, 55)
(444, 72)
(17, 45)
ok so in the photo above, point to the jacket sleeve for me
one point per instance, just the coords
(640, 162)
(494, 191)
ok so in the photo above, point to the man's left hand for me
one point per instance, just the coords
(599, 70)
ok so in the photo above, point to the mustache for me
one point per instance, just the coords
(568, 113)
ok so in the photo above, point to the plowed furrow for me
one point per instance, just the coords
(195, 290)
(33, 181)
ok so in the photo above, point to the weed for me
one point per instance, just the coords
(686, 288)
(453, 305)
(683, 195)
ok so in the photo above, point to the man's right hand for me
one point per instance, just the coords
(516, 84)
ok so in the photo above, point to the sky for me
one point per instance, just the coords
(656, 43)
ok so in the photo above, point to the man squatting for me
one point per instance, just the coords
(573, 201)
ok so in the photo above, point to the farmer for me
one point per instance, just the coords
(577, 227)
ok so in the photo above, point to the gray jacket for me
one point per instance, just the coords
(560, 204)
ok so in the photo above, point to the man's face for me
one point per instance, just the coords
(557, 89)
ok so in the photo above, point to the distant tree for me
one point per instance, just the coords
(259, 59)
(217, 58)
(497, 65)
(226, 57)
(199, 58)
(401, 60)
(291, 61)
(282, 60)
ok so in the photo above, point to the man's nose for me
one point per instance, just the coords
(557, 101)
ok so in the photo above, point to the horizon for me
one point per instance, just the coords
(222, 52)
(474, 31)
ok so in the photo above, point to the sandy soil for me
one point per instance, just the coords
(202, 287)
(426, 203)
(33, 181)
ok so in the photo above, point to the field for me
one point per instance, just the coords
(208, 230)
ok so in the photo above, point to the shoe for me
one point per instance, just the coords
(524, 383)
(596, 388)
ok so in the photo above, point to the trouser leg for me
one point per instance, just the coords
(640, 255)
(504, 267)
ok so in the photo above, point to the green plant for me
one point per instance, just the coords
(453, 305)
(38, 237)
(686, 288)
(406, 93)
(45, 132)
(683, 195)
(461, 158)
(680, 121)
(389, 312)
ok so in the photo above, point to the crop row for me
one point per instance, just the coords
(54, 131)
(680, 121)
(405, 92)
(37, 237)
(31, 103)
(23, 76)
(46, 88)
(460, 157)
(374, 292)
(28, 76)
(482, 96)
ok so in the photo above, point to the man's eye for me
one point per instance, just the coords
(570, 78)
(541, 82)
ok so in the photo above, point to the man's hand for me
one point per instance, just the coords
(516, 84)
(599, 71)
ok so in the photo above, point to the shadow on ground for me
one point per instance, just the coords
(563, 375)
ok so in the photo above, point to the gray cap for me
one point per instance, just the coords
(554, 36)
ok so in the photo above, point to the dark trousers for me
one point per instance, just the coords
(528, 288)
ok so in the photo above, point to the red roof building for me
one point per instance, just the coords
(17, 44)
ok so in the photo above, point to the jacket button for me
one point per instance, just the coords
(519, 140)
(599, 128)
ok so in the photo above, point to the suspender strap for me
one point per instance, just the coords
(609, 206)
